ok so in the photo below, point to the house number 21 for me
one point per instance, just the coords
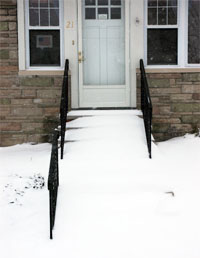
(70, 25)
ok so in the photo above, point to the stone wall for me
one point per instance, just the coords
(29, 105)
(176, 103)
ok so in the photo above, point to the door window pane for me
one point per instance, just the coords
(115, 2)
(90, 2)
(194, 32)
(90, 13)
(102, 2)
(103, 13)
(115, 13)
(44, 48)
(162, 46)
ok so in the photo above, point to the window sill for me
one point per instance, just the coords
(171, 70)
(39, 72)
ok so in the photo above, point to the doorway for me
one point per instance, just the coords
(103, 53)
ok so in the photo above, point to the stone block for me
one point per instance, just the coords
(13, 54)
(48, 94)
(196, 96)
(8, 18)
(4, 53)
(58, 81)
(9, 41)
(36, 81)
(10, 93)
(172, 82)
(6, 82)
(7, 69)
(181, 128)
(164, 110)
(12, 11)
(51, 111)
(160, 128)
(27, 111)
(4, 34)
(3, 11)
(31, 127)
(164, 91)
(11, 139)
(181, 97)
(9, 3)
(47, 102)
(22, 102)
(37, 138)
(186, 107)
(159, 83)
(190, 119)
(3, 26)
(168, 120)
(156, 110)
(29, 93)
(191, 88)
(4, 111)
(164, 99)
(5, 102)
(12, 26)
(7, 126)
(164, 75)
(191, 77)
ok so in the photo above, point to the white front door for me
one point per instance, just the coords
(103, 53)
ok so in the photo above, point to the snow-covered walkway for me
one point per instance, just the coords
(113, 202)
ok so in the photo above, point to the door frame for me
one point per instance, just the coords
(127, 57)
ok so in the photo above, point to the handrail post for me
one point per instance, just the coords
(64, 106)
(146, 106)
(53, 182)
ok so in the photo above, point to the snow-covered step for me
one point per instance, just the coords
(106, 135)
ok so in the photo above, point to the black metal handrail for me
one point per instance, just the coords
(146, 106)
(53, 181)
(64, 106)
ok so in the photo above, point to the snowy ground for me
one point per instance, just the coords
(113, 201)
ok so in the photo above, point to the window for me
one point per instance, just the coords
(194, 32)
(162, 32)
(166, 30)
(44, 33)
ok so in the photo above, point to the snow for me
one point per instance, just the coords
(113, 201)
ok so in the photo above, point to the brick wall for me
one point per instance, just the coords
(29, 105)
(176, 103)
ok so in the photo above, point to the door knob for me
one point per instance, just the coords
(80, 57)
